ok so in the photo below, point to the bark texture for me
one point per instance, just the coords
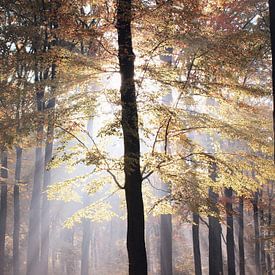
(133, 179)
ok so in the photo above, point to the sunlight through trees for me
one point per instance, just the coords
(137, 137)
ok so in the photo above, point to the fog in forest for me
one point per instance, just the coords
(137, 137)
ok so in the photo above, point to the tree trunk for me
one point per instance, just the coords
(257, 232)
(166, 229)
(93, 250)
(33, 251)
(85, 247)
(133, 179)
(166, 244)
(215, 247)
(269, 230)
(3, 209)
(68, 252)
(262, 234)
(215, 231)
(240, 238)
(16, 214)
(230, 244)
(272, 38)
(45, 223)
(196, 243)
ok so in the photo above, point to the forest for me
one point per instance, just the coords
(137, 137)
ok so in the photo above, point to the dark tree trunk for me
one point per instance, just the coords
(129, 121)
(215, 231)
(16, 214)
(166, 244)
(33, 251)
(240, 237)
(85, 247)
(230, 244)
(215, 246)
(257, 232)
(3, 209)
(196, 243)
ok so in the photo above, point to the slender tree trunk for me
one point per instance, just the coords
(3, 209)
(240, 237)
(85, 247)
(262, 234)
(196, 243)
(257, 232)
(133, 179)
(69, 255)
(45, 221)
(33, 250)
(45, 213)
(272, 38)
(148, 245)
(16, 214)
(166, 228)
(166, 244)
(230, 244)
(86, 241)
(215, 231)
(215, 247)
(269, 222)
(94, 254)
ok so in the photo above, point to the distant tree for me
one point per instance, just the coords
(3, 209)
(215, 231)
(230, 243)
(196, 243)
(241, 236)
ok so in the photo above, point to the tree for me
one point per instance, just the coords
(272, 37)
(240, 237)
(215, 230)
(196, 243)
(129, 122)
(16, 202)
(219, 54)
(3, 209)
(230, 244)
